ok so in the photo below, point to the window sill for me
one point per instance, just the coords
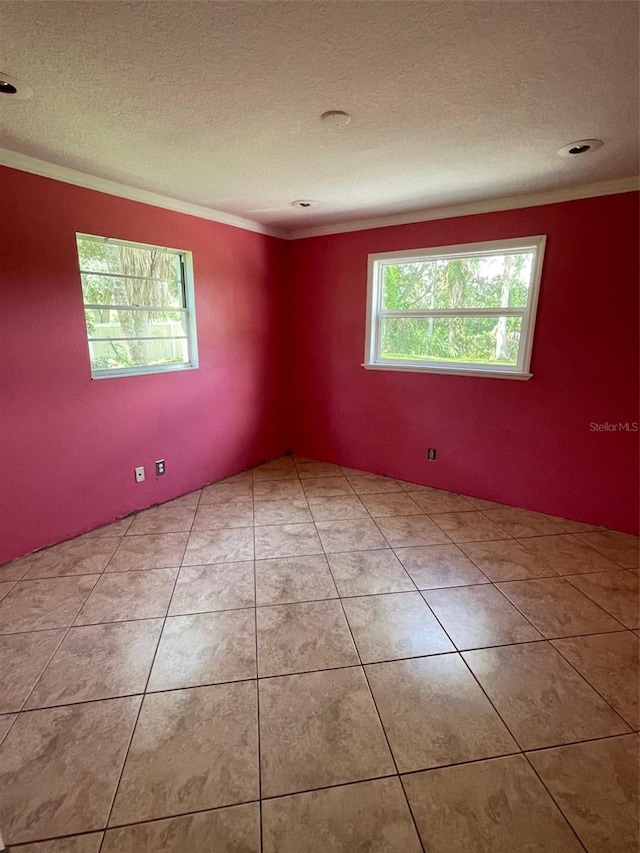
(118, 373)
(452, 371)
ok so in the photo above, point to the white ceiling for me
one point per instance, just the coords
(218, 103)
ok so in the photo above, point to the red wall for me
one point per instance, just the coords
(68, 445)
(522, 443)
(281, 341)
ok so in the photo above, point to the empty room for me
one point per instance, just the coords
(319, 494)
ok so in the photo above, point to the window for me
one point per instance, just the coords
(456, 309)
(138, 305)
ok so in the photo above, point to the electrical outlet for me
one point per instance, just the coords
(159, 467)
(139, 474)
(431, 454)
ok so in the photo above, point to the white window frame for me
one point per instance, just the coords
(372, 359)
(189, 310)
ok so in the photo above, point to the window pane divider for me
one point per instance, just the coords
(123, 275)
(140, 338)
(167, 309)
(456, 312)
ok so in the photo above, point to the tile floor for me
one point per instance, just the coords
(306, 658)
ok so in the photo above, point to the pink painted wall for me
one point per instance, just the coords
(280, 367)
(523, 443)
(68, 445)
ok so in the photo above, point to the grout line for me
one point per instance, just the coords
(62, 639)
(515, 740)
(452, 651)
(135, 725)
(553, 800)
(375, 705)
(255, 617)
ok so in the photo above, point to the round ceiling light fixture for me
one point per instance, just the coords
(335, 118)
(582, 146)
(16, 89)
(304, 203)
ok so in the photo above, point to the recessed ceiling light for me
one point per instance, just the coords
(582, 146)
(16, 89)
(304, 203)
(335, 118)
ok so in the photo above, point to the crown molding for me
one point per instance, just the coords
(620, 185)
(23, 163)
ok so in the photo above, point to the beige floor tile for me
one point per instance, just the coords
(98, 662)
(245, 476)
(217, 516)
(277, 490)
(277, 469)
(116, 528)
(6, 721)
(5, 588)
(369, 573)
(507, 560)
(476, 616)
(366, 817)
(482, 503)
(192, 499)
(468, 526)
(163, 519)
(541, 697)
(409, 530)
(130, 595)
(434, 713)
(434, 566)
(523, 522)
(355, 472)
(227, 491)
(567, 555)
(72, 844)
(435, 500)
(286, 540)
(15, 570)
(557, 608)
(337, 508)
(287, 511)
(351, 535)
(223, 586)
(23, 658)
(609, 662)
(303, 637)
(59, 768)
(570, 526)
(371, 484)
(206, 648)
(192, 750)
(219, 546)
(235, 829)
(77, 557)
(41, 604)
(495, 806)
(392, 626)
(157, 551)
(285, 580)
(308, 469)
(622, 548)
(617, 592)
(319, 729)
(393, 503)
(327, 487)
(596, 786)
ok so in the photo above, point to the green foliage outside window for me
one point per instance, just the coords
(499, 281)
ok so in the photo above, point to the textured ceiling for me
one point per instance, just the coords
(218, 103)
